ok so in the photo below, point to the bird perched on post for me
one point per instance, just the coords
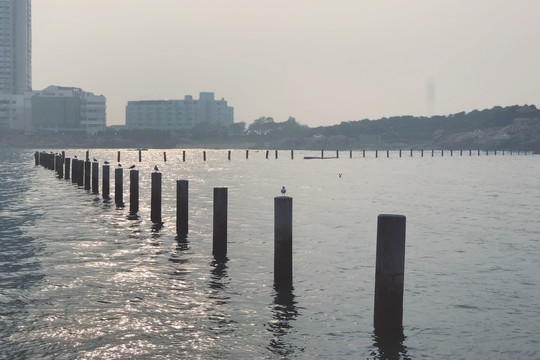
(75, 157)
(156, 168)
(95, 160)
(283, 190)
(119, 165)
(132, 167)
(106, 162)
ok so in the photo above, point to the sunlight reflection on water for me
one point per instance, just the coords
(81, 280)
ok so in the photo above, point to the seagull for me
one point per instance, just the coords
(106, 162)
(132, 167)
(119, 165)
(75, 156)
(283, 191)
(95, 160)
(156, 168)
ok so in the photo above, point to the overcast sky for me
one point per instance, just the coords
(321, 61)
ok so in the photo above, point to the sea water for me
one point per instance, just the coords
(79, 280)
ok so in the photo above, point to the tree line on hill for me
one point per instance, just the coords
(512, 127)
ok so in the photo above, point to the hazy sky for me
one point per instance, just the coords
(320, 61)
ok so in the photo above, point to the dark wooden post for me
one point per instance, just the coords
(267, 152)
(204, 155)
(106, 181)
(74, 163)
(337, 154)
(389, 272)
(422, 152)
(119, 187)
(283, 260)
(80, 177)
(276, 154)
(292, 154)
(184, 155)
(164, 156)
(350, 154)
(182, 207)
(219, 244)
(140, 156)
(399, 152)
(377, 153)
(87, 172)
(95, 177)
(118, 157)
(133, 192)
(59, 166)
(387, 153)
(322, 153)
(155, 211)
(229, 155)
(247, 154)
(87, 155)
(36, 157)
(363, 153)
(67, 165)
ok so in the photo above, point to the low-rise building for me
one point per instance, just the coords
(178, 114)
(54, 108)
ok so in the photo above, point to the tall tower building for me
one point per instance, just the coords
(15, 47)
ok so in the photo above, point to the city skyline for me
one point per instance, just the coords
(322, 63)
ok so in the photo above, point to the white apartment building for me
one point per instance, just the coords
(15, 47)
(178, 114)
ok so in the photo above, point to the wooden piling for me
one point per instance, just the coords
(389, 272)
(247, 154)
(292, 154)
(36, 157)
(80, 170)
(74, 163)
(350, 154)
(106, 189)
(204, 155)
(119, 187)
(276, 154)
(399, 152)
(133, 192)
(432, 152)
(387, 153)
(229, 155)
(182, 207)
(118, 157)
(422, 152)
(59, 165)
(155, 211)
(95, 177)
(322, 153)
(67, 168)
(164, 156)
(283, 261)
(87, 172)
(363, 153)
(219, 244)
(87, 155)
(267, 152)
(183, 155)
(377, 153)
(337, 154)
(140, 156)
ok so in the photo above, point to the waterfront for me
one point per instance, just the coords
(80, 280)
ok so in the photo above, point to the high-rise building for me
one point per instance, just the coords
(15, 47)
